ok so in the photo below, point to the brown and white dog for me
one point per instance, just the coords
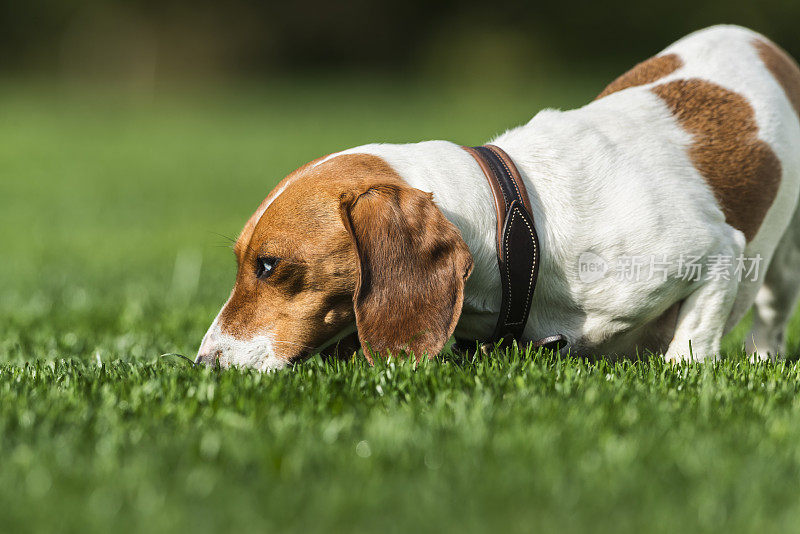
(687, 164)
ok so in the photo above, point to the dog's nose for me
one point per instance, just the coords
(207, 356)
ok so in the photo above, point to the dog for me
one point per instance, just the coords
(687, 163)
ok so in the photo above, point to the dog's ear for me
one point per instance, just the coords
(412, 267)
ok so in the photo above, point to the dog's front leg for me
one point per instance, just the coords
(702, 318)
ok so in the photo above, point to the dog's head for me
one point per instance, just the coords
(341, 245)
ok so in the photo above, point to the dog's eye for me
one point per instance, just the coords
(265, 266)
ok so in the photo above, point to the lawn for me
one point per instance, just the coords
(116, 214)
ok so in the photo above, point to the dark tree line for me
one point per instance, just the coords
(249, 36)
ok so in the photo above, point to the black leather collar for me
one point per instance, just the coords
(518, 252)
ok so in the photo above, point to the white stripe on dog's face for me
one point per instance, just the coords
(271, 198)
(286, 182)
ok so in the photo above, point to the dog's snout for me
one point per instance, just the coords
(208, 356)
(210, 349)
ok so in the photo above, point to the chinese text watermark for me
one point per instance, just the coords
(592, 267)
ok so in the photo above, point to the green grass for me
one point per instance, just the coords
(113, 214)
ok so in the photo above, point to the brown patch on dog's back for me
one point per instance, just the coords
(647, 71)
(742, 170)
(783, 68)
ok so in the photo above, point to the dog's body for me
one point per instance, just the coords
(692, 154)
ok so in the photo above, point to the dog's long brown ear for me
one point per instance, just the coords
(412, 267)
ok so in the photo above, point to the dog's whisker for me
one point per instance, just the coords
(226, 237)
